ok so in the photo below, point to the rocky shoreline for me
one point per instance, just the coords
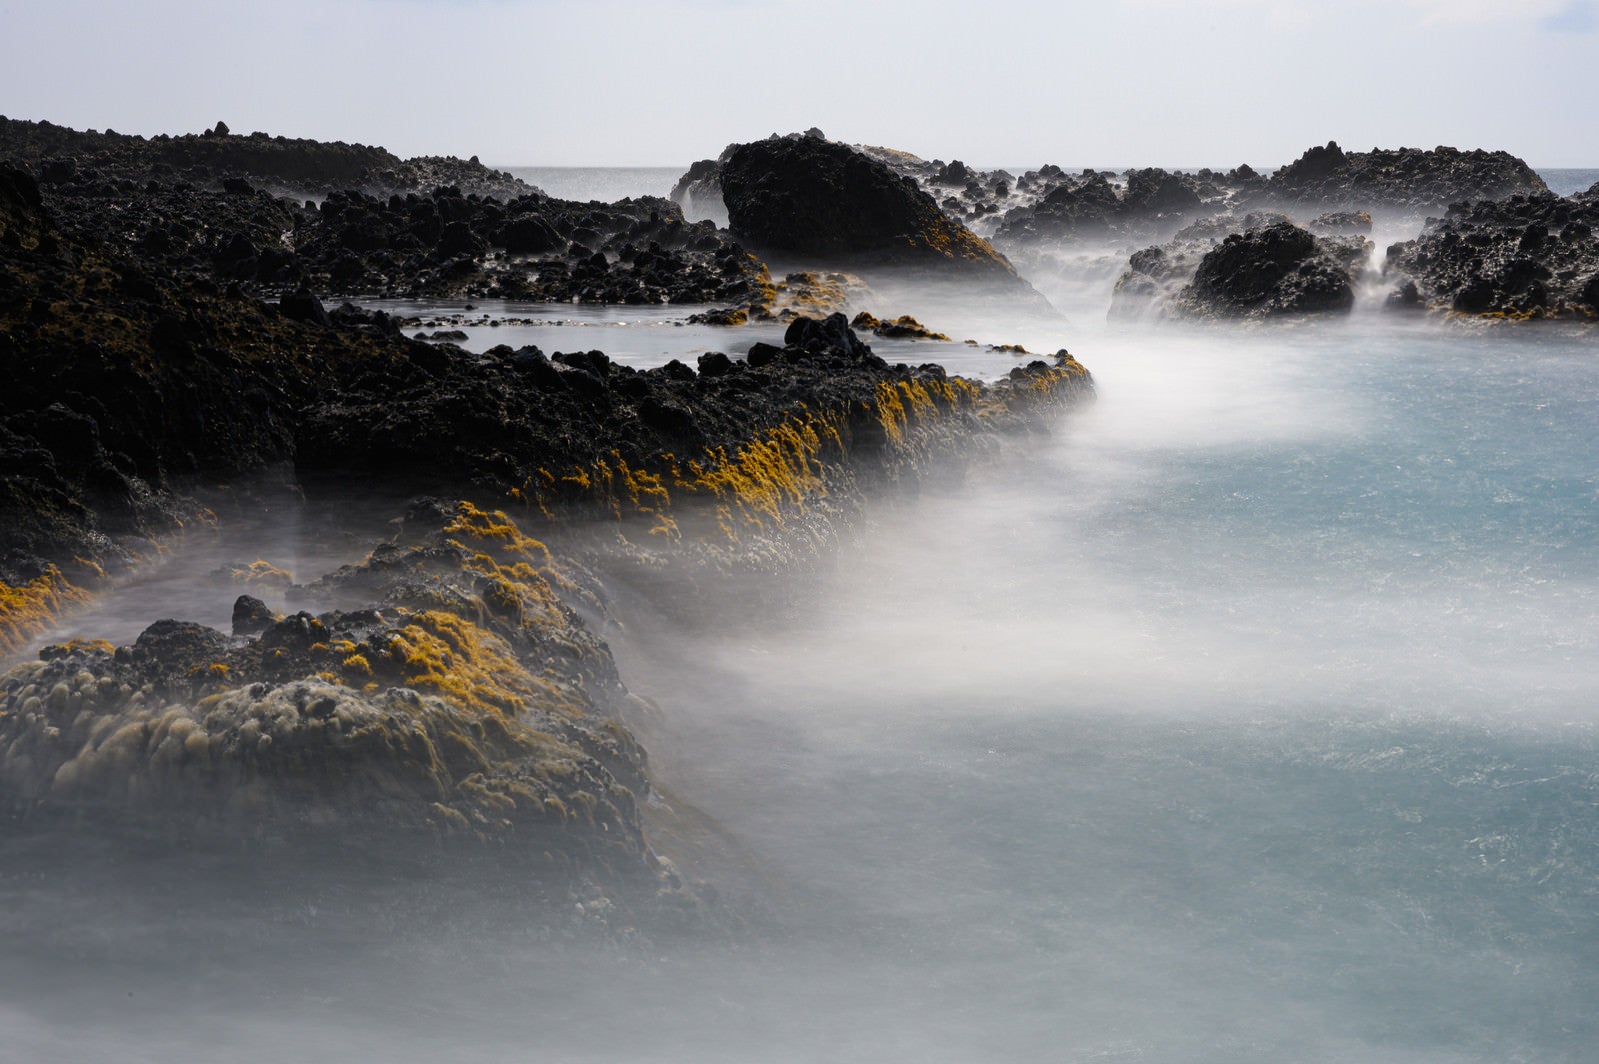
(1466, 258)
(173, 365)
(179, 357)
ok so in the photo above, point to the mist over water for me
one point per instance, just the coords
(1247, 716)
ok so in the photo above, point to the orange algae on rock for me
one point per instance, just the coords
(784, 468)
(29, 609)
(449, 655)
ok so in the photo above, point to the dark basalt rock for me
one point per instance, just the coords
(1526, 256)
(1275, 271)
(195, 206)
(1155, 277)
(207, 160)
(803, 196)
(1408, 179)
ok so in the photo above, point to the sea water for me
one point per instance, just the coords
(1247, 716)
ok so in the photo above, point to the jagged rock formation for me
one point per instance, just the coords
(1532, 256)
(1406, 179)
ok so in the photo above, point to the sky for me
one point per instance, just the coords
(1112, 83)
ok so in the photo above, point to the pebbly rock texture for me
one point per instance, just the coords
(807, 197)
(429, 227)
(532, 247)
(1534, 256)
(1278, 270)
(1405, 179)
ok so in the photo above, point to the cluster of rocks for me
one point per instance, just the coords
(1050, 205)
(442, 242)
(212, 206)
(841, 205)
(1521, 257)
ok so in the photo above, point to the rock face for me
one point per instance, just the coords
(1522, 257)
(1408, 179)
(805, 196)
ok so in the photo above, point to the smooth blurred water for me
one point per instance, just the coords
(1249, 716)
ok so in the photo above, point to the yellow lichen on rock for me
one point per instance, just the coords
(446, 654)
(781, 470)
(28, 609)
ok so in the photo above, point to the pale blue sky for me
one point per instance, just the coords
(628, 82)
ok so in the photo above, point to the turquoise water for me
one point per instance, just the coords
(1250, 719)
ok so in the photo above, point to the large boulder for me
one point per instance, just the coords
(804, 196)
(1275, 271)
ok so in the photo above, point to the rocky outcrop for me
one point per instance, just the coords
(1279, 270)
(170, 362)
(1523, 257)
(1271, 269)
(283, 165)
(1405, 179)
(810, 198)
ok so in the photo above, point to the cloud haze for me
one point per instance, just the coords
(623, 82)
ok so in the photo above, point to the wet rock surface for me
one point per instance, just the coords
(1531, 256)
(444, 687)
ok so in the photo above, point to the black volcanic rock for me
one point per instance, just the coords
(1526, 256)
(1404, 178)
(805, 196)
(1278, 270)
(208, 159)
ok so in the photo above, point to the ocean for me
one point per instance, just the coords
(1248, 716)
